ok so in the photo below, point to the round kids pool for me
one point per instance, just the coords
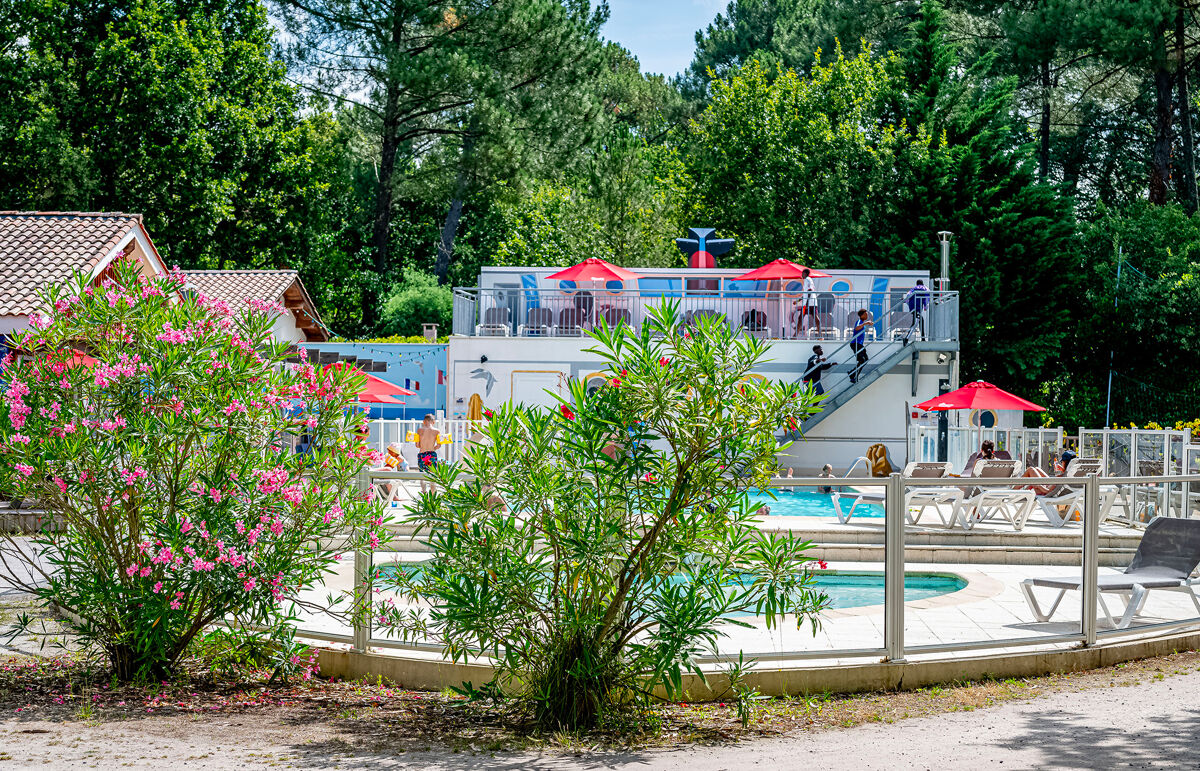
(855, 590)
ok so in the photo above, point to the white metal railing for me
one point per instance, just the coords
(455, 434)
(1097, 493)
(767, 313)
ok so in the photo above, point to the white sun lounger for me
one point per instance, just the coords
(1168, 553)
(919, 498)
(922, 498)
(987, 502)
(1070, 496)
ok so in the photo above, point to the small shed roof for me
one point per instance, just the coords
(237, 287)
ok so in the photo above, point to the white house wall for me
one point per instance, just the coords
(524, 369)
(285, 330)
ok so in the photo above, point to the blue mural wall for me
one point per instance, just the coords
(416, 366)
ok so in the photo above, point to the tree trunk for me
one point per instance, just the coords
(1044, 129)
(445, 251)
(1160, 163)
(382, 227)
(1187, 175)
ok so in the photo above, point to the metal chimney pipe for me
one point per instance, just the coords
(943, 281)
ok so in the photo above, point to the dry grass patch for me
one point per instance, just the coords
(372, 717)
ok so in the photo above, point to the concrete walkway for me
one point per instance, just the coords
(1152, 725)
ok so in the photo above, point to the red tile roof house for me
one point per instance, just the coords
(38, 249)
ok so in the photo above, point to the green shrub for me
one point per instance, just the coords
(404, 339)
(419, 300)
(594, 551)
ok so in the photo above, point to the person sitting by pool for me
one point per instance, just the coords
(826, 473)
(1063, 462)
(986, 451)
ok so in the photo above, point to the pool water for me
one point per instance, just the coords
(854, 590)
(806, 503)
(859, 589)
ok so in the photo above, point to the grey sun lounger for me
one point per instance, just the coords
(1165, 558)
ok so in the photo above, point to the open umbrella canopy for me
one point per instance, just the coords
(594, 269)
(780, 269)
(381, 391)
(377, 390)
(76, 358)
(979, 396)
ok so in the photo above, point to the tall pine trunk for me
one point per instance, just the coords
(1187, 181)
(1044, 129)
(381, 228)
(1160, 157)
(445, 251)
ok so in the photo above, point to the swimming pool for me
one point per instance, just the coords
(859, 589)
(855, 590)
(806, 503)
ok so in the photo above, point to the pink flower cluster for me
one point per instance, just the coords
(264, 306)
(18, 410)
(172, 335)
(132, 475)
(108, 374)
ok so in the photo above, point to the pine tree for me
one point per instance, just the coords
(1013, 258)
(455, 90)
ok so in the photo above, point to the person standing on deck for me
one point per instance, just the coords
(427, 444)
(817, 365)
(917, 301)
(807, 303)
(858, 343)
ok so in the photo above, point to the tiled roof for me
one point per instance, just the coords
(38, 249)
(235, 287)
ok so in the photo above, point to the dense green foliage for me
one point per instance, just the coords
(419, 300)
(596, 550)
(435, 136)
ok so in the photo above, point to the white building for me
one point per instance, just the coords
(519, 336)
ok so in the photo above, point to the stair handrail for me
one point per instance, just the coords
(845, 346)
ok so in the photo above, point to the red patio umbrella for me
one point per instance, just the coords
(594, 269)
(979, 396)
(76, 359)
(780, 269)
(377, 390)
(380, 391)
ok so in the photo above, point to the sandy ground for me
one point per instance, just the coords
(1154, 724)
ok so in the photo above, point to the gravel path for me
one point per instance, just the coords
(1155, 724)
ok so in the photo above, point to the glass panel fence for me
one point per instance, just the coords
(975, 548)
(844, 520)
(922, 565)
(1157, 548)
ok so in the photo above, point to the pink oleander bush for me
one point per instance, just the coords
(166, 469)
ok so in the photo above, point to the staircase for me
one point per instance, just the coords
(840, 390)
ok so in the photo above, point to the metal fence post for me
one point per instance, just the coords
(893, 569)
(361, 613)
(1091, 543)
